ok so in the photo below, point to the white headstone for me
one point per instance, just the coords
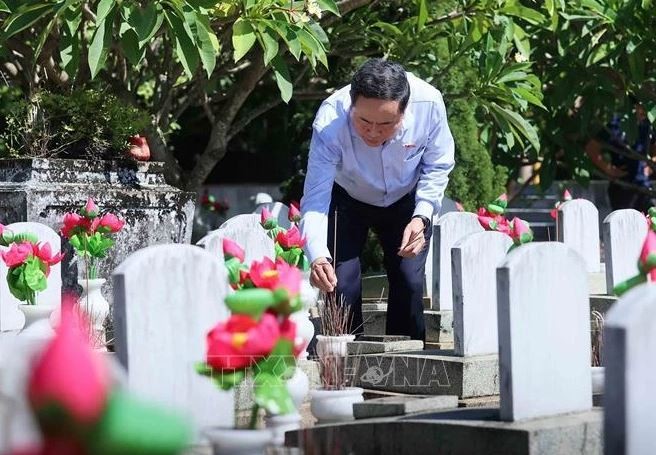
(447, 230)
(624, 232)
(166, 299)
(578, 228)
(11, 318)
(544, 332)
(243, 220)
(475, 260)
(254, 240)
(630, 350)
(280, 211)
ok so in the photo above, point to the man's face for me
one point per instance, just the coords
(375, 120)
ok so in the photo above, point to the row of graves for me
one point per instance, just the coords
(528, 349)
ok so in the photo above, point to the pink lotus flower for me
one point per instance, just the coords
(567, 196)
(647, 261)
(241, 341)
(269, 275)
(90, 209)
(110, 222)
(294, 214)
(68, 374)
(265, 216)
(17, 254)
(520, 231)
(554, 212)
(459, 207)
(290, 239)
(503, 226)
(44, 253)
(232, 250)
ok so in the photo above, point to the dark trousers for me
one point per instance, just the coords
(405, 310)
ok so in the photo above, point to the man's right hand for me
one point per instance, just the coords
(322, 275)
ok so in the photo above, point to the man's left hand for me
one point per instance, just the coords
(413, 239)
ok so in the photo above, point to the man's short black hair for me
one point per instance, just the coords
(383, 80)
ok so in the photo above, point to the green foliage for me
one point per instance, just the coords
(83, 124)
(27, 279)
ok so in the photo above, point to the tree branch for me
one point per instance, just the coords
(255, 113)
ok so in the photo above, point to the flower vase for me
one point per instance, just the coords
(330, 406)
(96, 308)
(305, 328)
(233, 441)
(333, 345)
(37, 320)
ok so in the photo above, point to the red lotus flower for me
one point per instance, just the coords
(241, 341)
(294, 214)
(90, 209)
(71, 222)
(232, 250)
(291, 238)
(139, 149)
(647, 261)
(68, 375)
(17, 254)
(111, 222)
(288, 332)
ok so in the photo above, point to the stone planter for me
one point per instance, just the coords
(42, 190)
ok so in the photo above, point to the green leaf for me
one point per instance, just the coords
(130, 44)
(25, 17)
(35, 278)
(529, 96)
(252, 302)
(271, 393)
(243, 38)
(184, 43)
(101, 43)
(146, 21)
(520, 123)
(280, 362)
(289, 36)
(270, 42)
(69, 41)
(227, 380)
(646, 4)
(283, 78)
(521, 40)
(208, 43)
(105, 7)
(423, 14)
(329, 5)
(4, 8)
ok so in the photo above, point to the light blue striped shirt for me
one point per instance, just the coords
(421, 154)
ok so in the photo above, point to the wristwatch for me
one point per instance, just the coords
(424, 219)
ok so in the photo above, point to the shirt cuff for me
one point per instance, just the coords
(424, 208)
(315, 251)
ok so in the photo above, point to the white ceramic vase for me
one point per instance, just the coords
(37, 320)
(95, 307)
(231, 441)
(333, 345)
(598, 377)
(298, 387)
(330, 406)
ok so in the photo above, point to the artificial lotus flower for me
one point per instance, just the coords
(520, 231)
(647, 261)
(275, 275)
(267, 220)
(241, 341)
(567, 196)
(71, 222)
(288, 332)
(459, 207)
(68, 377)
(232, 250)
(110, 222)
(44, 253)
(291, 238)
(17, 254)
(498, 206)
(90, 209)
(294, 214)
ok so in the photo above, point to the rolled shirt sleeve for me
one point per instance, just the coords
(436, 164)
(324, 156)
